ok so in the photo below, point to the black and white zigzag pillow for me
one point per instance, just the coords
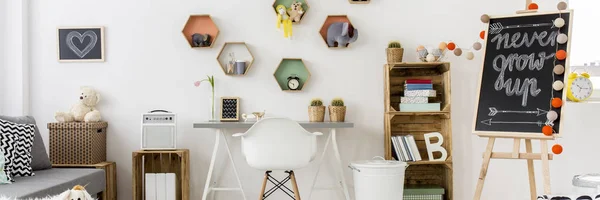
(24, 133)
(7, 143)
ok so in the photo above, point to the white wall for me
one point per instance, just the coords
(15, 78)
(150, 66)
(2, 60)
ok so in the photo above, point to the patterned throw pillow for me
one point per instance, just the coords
(3, 175)
(24, 133)
(7, 142)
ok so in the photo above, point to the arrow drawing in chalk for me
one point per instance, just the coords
(538, 112)
(489, 122)
(498, 27)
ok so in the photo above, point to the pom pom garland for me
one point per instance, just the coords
(485, 18)
(457, 52)
(559, 22)
(556, 102)
(561, 54)
(558, 85)
(559, 69)
(451, 46)
(552, 115)
(562, 38)
(562, 5)
(547, 130)
(557, 149)
(532, 6)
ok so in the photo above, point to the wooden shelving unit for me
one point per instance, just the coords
(176, 161)
(240, 51)
(423, 172)
(202, 24)
(289, 66)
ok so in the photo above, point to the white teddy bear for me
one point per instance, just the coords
(77, 193)
(84, 110)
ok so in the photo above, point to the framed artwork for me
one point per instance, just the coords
(230, 108)
(80, 44)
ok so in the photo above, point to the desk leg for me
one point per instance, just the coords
(233, 165)
(319, 163)
(207, 187)
(336, 152)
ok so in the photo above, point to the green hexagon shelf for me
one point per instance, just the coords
(288, 4)
(330, 20)
(241, 53)
(289, 67)
(202, 24)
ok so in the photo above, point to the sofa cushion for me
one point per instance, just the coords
(7, 144)
(39, 157)
(54, 181)
(21, 165)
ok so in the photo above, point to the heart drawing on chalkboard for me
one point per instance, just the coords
(74, 34)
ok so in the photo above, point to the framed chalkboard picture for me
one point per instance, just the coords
(517, 74)
(230, 108)
(80, 44)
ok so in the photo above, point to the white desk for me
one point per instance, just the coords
(222, 126)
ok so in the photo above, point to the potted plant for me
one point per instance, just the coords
(394, 52)
(316, 110)
(337, 110)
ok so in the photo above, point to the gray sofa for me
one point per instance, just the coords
(50, 181)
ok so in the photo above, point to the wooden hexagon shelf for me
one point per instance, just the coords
(241, 54)
(202, 24)
(359, 1)
(289, 67)
(288, 4)
(335, 19)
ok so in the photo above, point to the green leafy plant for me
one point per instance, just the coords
(337, 102)
(316, 102)
(394, 44)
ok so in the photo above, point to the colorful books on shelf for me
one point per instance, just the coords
(405, 148)
(416, 96)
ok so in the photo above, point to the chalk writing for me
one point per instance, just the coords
(74, 34)
(503, 39)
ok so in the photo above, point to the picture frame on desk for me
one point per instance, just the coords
(230, 109)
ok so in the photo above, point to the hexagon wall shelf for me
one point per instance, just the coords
(288, 67)
(330, 20)
(241, 53)
(202, 24)
(288, 3)
(359, 1)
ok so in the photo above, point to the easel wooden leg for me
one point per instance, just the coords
(545, 166)
(484, 167)
(531, 170)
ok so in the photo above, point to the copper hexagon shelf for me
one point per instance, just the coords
(201, 24)
(331, 19)
(240, 57)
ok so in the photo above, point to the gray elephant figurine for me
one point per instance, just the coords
(341, 34)
(200, 40)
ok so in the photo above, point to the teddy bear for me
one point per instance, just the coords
(77, 193)
(84, 110)
(295, 11)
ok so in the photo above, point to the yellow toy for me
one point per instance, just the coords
(283, 19)
(579, 87)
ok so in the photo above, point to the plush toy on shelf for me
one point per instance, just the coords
(84, 110)
(284, 21)
(201, 40)
(340, 34)
(296, 11)
(78, 192)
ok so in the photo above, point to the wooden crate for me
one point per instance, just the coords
(110, 169)
(398, 123)
(176, 161)
(396, 74)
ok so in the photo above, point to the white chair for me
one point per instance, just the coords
(278, 144)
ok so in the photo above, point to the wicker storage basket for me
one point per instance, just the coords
(316, 113)
(337, 113)
(394, 55)
(77, 143)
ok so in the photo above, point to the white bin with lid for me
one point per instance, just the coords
(378, 179)
(588, 184)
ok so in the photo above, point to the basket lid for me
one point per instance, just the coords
(77, 125)
(587, 180)
(379, 162)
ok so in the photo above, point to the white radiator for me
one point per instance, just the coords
(160, 186)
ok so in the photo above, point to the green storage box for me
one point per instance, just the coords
(423, 193)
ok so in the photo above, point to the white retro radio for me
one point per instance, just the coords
(159, 130)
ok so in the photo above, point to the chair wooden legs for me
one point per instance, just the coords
(280, 185)
(295, 185)
(264, 186)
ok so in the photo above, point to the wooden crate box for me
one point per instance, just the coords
(176, 161)
(396, 74)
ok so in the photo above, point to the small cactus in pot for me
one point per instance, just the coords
(316, 110)
(395, 52)
(337, 110)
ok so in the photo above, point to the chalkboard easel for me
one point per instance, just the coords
(503, 114)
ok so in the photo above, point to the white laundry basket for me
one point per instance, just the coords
(378, 179)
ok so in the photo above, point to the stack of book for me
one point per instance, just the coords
(405, 148)
(416, 96)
